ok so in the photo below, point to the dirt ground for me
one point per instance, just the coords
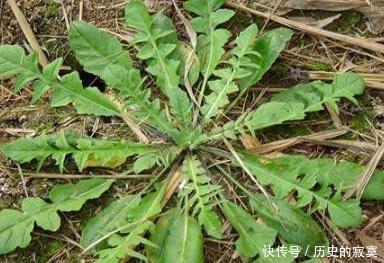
(49, 19)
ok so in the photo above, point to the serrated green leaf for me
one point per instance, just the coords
(253, 237)
(114, 234)
(137, 16)
(268, 48)
(348, 85)
(129, 84)
(211, 222)
(86, 152)
(51, 71)
(71, 197)
(96, 49)
(200, 190)
(45, 219)
(342, 175)
(144, 162)
(149, 206)
(283, 182)
(11, 57)
(203, 7)
(14, 61)
(107, 59)
(12, 236)
(86, 101)
(122, 245)
(40, 88)
(30, 63)
(210, 50)
(156, 51)
(292, 224)
(293, 104)
(221, 88)
(268, 114)
(16, 226)
(109, 219)
(210, 43)
(313, 95)
(69, 89)
(21, 80)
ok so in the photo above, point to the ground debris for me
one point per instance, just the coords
(9, 188)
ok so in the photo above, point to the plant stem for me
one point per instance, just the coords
(135, 128)
(235, 101)
(200, 100)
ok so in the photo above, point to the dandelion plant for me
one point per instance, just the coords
(189, 199)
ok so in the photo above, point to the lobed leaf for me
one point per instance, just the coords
(253, 237)
(117, 230)
(343, 213)
(86, 101)
(268, 48)
(157, 51)
(240, 65)
(121, 244)
(294, 104)
(200, 190)
(96, 49)
(292, 224)
(107, 220)
(16, 226)
(313, 95)
(86, 152)
(14, 61)
(11, 58)
(107, 59)
(341, 175)
(211, 40)
(129, 84)
(67, 90)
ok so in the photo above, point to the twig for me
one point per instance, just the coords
(17, 131)
(12, 93)
(245, 168)
(310, 29)
(172, 186)
(135, 128)
(334, 116)
(269, 16)
(65, 15)
(374, 81)
(24, 25)
(22, 180)
(127, 118)
(282, 144)
(81, 6)
(351, 145)
(329, 75)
